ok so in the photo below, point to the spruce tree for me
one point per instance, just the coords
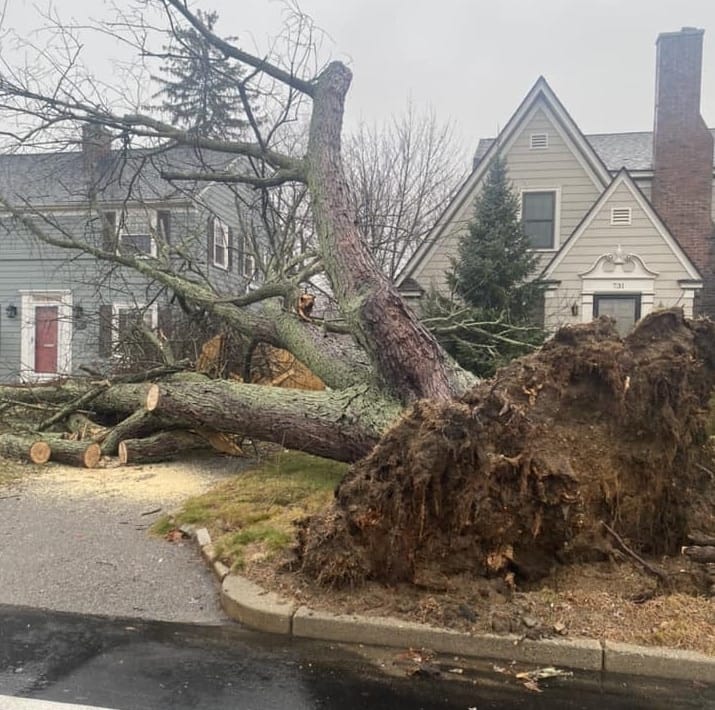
(199, 89)
(495, 268)
(490, 318)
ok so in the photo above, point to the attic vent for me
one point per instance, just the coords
(621, 215)
(539, 141)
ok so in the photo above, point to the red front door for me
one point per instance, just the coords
(46, 333)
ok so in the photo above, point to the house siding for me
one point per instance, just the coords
(219, 201)
(557, 168)
(601, 237)
(28, 264)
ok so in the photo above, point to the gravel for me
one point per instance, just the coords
(77, 540)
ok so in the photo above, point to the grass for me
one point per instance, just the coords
(251, 516)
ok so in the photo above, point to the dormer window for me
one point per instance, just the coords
(621, 215)
(539, 141)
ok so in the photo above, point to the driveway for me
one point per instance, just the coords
(77, 540)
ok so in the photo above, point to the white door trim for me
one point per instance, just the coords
(30, 300)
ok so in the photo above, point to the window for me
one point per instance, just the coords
(538, 211)
(138, 231)
(539, 141)
(249, 265)
(625, 310)
(620, 215)
(220, 248)
(126, 318)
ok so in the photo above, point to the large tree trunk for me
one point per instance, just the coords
(341, 425)
(409, 362)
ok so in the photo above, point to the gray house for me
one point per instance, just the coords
(61, 308)
(622, 222)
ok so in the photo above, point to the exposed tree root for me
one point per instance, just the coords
(518, 475)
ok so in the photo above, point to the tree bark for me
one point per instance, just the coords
(160, 447)
(409, 362)
(340, 425)
(118, 399)
(24, 448)
(75, 453)
(703, 553)
(139, 424)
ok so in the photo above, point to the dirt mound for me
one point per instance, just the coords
(519, 475)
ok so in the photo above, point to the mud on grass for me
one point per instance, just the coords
(251, 516)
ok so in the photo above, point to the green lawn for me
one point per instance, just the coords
(252, 515)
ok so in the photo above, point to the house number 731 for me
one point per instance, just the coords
(619, 284)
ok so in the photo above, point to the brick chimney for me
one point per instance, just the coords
(96, 145)
(683, 145)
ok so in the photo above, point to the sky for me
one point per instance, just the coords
(472, 61)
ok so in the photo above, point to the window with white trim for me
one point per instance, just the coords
(138, 231)
(621, 215)
(538, 218)
(249, 265)
(221, 242)
(127, 317)
(539, 141)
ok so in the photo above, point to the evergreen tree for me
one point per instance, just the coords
(495, 267)
(199, 89)
(492, 319)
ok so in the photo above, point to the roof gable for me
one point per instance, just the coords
(540, 97)
(623, 180)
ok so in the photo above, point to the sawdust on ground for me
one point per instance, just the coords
(171, 482)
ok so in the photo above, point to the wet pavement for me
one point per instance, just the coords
(141, 665)
(77, 540)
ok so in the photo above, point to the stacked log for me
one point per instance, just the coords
(24, 448)
(160, 447)
(75, 453)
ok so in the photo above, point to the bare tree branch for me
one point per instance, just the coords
(230, 50)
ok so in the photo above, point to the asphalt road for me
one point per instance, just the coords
(140, 665)
(77, 540)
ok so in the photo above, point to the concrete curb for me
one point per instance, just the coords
(258, 609)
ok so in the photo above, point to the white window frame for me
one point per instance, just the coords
(220, 229)
(117, 307)
(557, 213)
(625, 218)
(132, 216)
(249, 266)
(63, 300)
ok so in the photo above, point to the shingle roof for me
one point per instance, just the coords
(633, 151)
(62, 178)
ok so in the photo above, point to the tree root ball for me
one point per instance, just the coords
(519, 474)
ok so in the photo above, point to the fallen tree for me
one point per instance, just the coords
(503, 477)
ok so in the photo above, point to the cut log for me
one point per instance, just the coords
(79, 403)
(160, 447)
(136, 426)
(24, 448)
(700, 553)
(75, 453)
(84, 428)
(697, 538)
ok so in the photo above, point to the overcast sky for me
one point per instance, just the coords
(473, 61)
